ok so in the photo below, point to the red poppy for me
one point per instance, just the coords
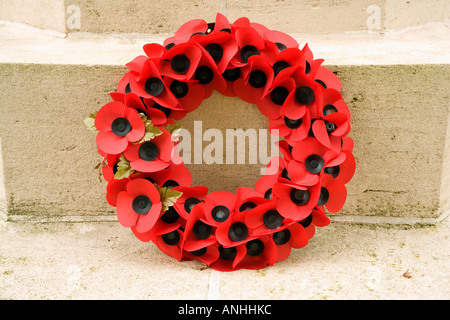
(247, 199)
(190, 95)
(169, 221)
(317, 218)
(234, 231)
(208, 75)
(264, 184)
(153, 155)
(229, 258)
(309, 158)
(265, 219)
(154, 51)
(281, 39)
(132, 100)
(113, 189)
(327, 79)
(170, 243)
(191, 196)
(292, 236)
(259, 253)
(292, 129)
(109, 166)
(333, 194)
(295, 202)
(197, 233)
(124, 83)
(177, 175)
(147, 83)
(344, 171)
(139, 206)
(250, 43)
(312, 65)
(333, 121)
(185, 32)
(231, 75)
(272, 102)
(181, 61)
(257, 79)
(207, 255)
(117, 125)
(220, 46)
(308, 94)
(218, 207)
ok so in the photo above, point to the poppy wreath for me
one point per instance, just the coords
(151, 188)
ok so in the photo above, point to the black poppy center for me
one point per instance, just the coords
(280, 65)
(324, 196)
(232, 74)
(169, 184)
(215, 51)
(141, 204)
(247, 52)
(170, 216)
(120, 127)
(307, 221)
(257, 79)
(321, 83)
(255, 247)
(227, 253)
(314, 163)
(307, 67)
(282, 236)
(268, 194)
(199, 252)
(328, 109)
(299, 197)
(238, 231)
(154, 86)
(279, 95)
(304, 95)
(333, 171)
(292, 123)
(180, 63)
(220, 213)
(171, 238)
(165, 110)
(201, 230)
(179, 89)
(280, 46)
(272, 219)
(148, 151)
(169, 46)
(190, 203)
(330, 126)
(247, 206)
(285, 174)
(204, 75)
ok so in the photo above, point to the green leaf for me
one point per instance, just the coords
(124, 169)
(150, 130)
(174, 130)
(90, 122)
(168, 197)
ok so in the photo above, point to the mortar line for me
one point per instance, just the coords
(377, 220)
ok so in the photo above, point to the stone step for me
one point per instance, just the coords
(165, 16)
(400, 121)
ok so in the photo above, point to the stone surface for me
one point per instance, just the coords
(105, 261)
(399, 132)
(43, 14)
(164, 17)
